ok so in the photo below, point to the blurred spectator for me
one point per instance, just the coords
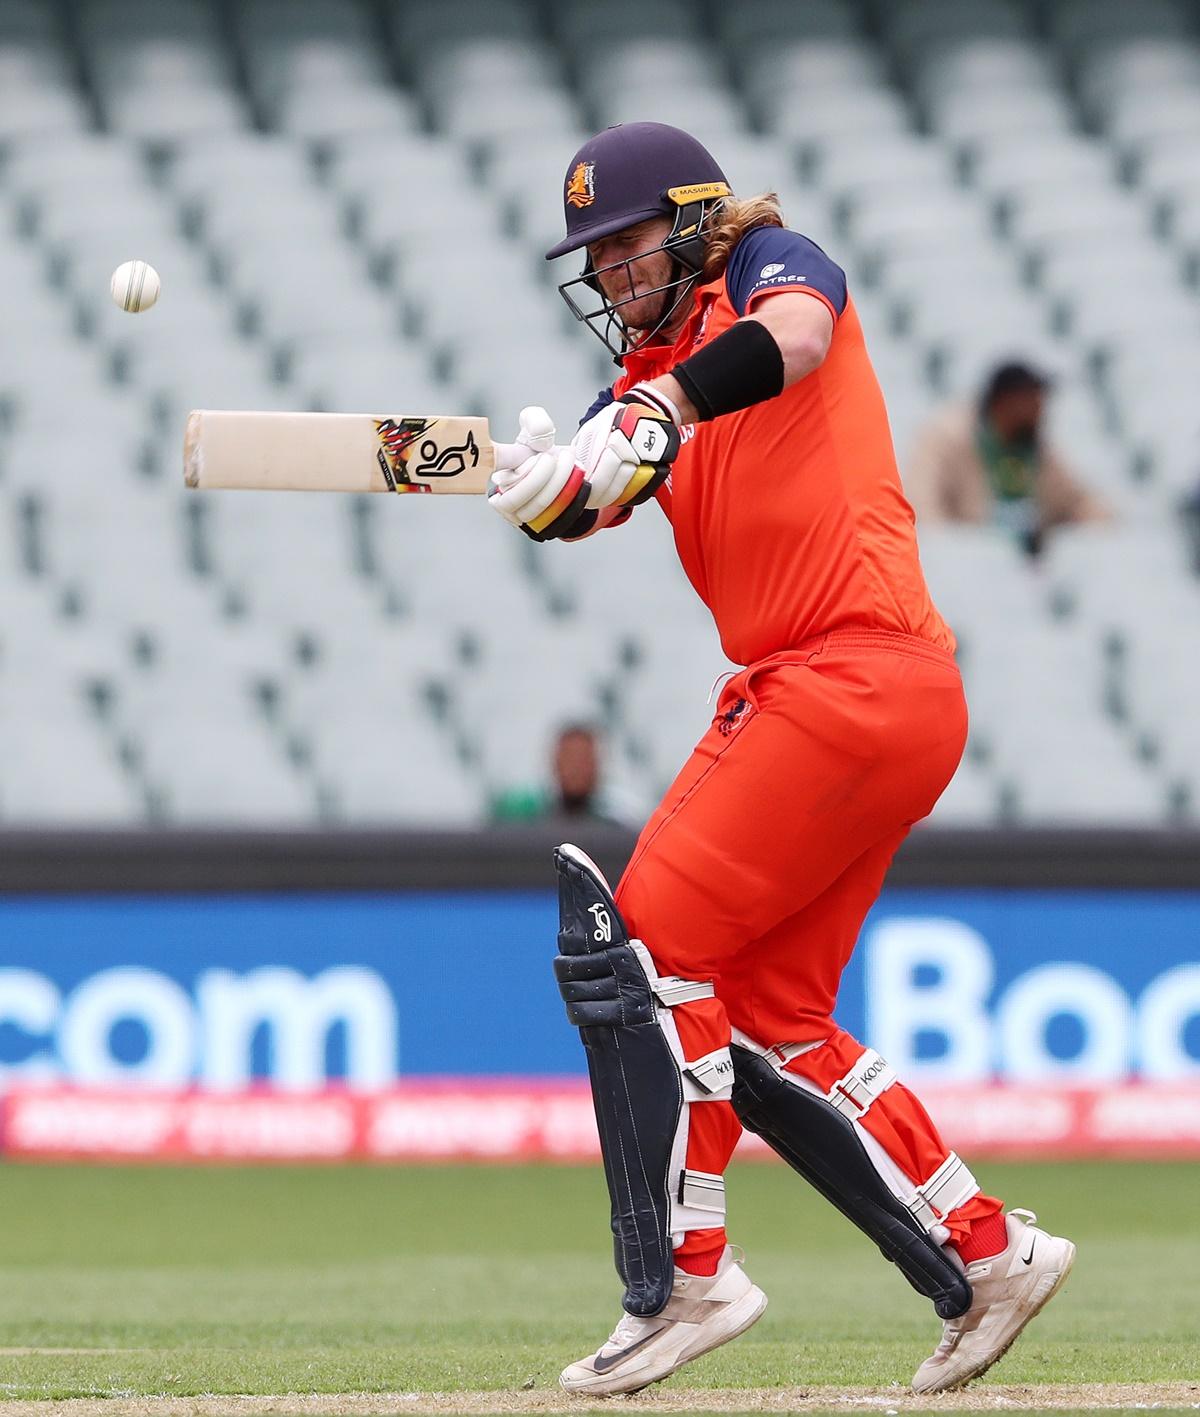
(990, 464)
(575, 794)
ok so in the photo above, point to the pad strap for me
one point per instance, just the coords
(854, 1093)
(784, 1052)
(712, 1074)
(702, 1190)
(670, 990)
(950, 1186)
(708, 1078)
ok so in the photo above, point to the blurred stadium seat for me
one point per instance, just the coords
(348, 201)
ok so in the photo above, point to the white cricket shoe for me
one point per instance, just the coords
(703, 1312)
(1008, 1290)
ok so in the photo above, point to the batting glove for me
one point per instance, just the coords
(626, 450)
(536, 485)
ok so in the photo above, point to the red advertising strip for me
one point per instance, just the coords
(525, 1120)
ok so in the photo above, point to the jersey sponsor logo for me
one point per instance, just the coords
(778, 280)
(771, 269)
(581, 185)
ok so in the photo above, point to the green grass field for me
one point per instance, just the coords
(189, 1281)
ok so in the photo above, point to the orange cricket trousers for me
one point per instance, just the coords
(759, 867)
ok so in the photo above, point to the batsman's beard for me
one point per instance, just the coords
(666, 304)
(644, 314)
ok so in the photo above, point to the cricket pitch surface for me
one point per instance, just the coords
(985, 1397)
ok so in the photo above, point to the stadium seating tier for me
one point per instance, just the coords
(348, 201)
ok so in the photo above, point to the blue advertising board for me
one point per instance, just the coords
(950, 985)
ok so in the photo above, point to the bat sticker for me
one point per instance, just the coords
(396, 439)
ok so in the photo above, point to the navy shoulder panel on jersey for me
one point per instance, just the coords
(771, 257)
(602, 400)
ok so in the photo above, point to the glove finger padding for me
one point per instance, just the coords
(509, 459)
(535, 434)
(544, 496)
(535, 428)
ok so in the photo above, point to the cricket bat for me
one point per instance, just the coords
(342, 452)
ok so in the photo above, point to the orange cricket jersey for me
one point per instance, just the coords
(789, 516)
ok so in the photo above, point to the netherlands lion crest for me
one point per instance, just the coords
(581, 185)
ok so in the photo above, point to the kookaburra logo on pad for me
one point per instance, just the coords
(603, 923)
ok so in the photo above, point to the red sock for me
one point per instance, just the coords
(700, 1252)
(987, 1237)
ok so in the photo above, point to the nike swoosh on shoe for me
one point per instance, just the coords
(603, 1364)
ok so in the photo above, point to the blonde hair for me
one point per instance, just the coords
(734, 218)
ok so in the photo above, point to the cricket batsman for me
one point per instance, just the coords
(704, 987)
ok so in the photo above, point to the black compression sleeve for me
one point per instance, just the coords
(743, 366)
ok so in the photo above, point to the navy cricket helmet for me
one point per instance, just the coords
(625, 175)
(628, 174)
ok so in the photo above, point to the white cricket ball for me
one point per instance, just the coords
(135, 286)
